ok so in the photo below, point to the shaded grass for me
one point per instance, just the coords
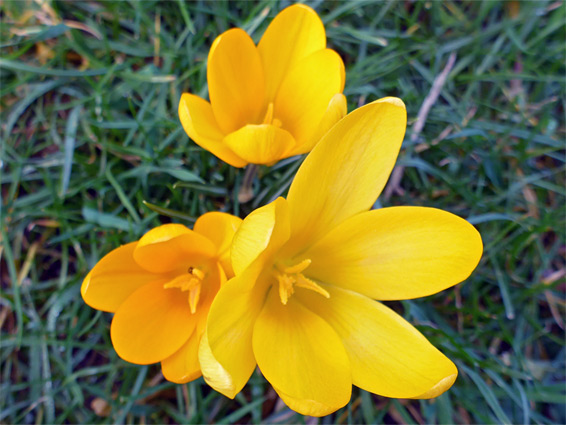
(93, 155)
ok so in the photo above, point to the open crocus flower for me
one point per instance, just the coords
(161, 288)
(271, 101)
(309, 269)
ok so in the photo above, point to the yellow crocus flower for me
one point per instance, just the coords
(269, 101)
(310, 267)
(161, 288)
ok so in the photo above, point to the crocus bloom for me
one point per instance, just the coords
(310, 267)
(161, 288)
(271, 101)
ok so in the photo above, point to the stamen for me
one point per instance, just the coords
(189, 282)
(199, 274)
(178, 282)
(285, 287)
(291, 276)
(194, 296)
(298, 268)
(305, 282)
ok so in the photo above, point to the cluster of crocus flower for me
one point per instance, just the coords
(294, 288)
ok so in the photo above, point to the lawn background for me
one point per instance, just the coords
(93, 155)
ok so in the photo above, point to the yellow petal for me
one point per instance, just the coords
(294, 34)
(388, 356)
(266, 227)
(200, 125)
(302, 357)
(211, 284)
(172, 247)
(346, 171)
(219, 228)
(397, 253)
(225, 353)
(261, 143)
(114, 278)
(235, 80)
(337, 109)
(152, 324)
(183, 365)
(306, 91)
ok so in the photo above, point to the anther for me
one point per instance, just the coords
(197, 273)
(298, 268)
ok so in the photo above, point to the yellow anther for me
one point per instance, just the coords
(194, 296)
(291, 276)
(305, 282)
(199, 274)
(298, 268)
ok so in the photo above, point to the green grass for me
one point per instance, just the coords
(93, 155)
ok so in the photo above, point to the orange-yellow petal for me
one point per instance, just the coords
(152, 324)
(200, 125)
(294, 34)
(304, 95)
(172, 247)
(397, 253)
(114, 278)
(183, 365)
(219, 228)
(336, 110)
(346, 171)
(225, 352)
(302, 357)
(261, 233)
(235, 80)
(388, 356)
(260, 143)
(214, 279)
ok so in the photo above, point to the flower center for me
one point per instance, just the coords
(268, 118)
(290, 276)
(191, 282)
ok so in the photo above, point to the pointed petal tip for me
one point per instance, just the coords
(84, 286)
(441, 386)
(309, 407)
(392, 100)
(213, 372)
(180, 380)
